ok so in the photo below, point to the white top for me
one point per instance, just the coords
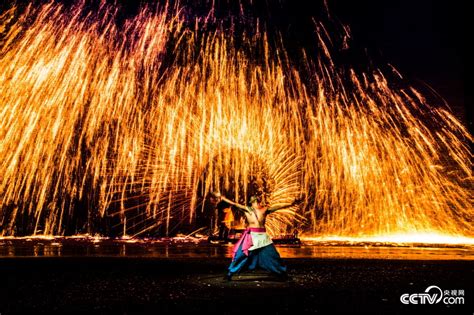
(260, 239)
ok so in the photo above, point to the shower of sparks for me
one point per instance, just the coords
(393, 239)
(100, 129)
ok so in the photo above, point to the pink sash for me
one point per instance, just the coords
(246, 240)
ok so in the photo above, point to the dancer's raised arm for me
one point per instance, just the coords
(238, 205)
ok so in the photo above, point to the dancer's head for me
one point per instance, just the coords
(253, 201)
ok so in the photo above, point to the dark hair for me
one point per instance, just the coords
(253, 199)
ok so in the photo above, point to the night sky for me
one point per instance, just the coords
(423, 39)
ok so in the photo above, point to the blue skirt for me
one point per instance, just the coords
(266, 258)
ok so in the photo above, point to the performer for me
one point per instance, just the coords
(226, 218)
(255, 248)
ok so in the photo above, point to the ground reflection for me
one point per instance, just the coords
(195, 248)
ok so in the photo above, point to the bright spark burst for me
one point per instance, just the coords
(98, 128)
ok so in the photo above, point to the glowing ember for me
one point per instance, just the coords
(98, 134)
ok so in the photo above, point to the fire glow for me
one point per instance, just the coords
(96, 136)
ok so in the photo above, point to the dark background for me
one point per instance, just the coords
(424, 39)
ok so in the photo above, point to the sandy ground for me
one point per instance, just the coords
(103, 285)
